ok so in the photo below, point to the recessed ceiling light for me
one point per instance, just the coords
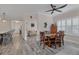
(0, 18)
(3, 20)
(17, 21)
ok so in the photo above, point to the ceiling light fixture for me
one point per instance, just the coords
(3, 20)
(17, 21)
(0, 18)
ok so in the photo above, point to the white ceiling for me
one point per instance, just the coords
(17, 11)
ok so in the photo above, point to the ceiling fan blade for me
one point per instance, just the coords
(48, 10)
(62, 6)
(52, 5)
(58, 10)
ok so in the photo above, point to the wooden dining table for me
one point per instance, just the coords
(50, 35)
(49, 38)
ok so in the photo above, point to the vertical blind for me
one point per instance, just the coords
(70, 25)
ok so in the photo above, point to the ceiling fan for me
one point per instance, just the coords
(55, 8)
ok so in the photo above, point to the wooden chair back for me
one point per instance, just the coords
(53, 29)
(58, 37)
(42, 35)
(62, 36)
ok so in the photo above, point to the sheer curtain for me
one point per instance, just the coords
(69, 25)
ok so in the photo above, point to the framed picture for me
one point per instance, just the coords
(32, 24)
(45, 25)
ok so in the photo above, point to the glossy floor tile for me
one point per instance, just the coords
(18, 46)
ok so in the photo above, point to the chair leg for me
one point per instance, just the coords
(43, 45)
(55, 45)
(49, 43)
(63, 42)
(60, 44)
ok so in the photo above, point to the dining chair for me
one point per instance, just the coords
(43, 39)
(52, 42)
(47, 41)
(62, 36)
(58, 40)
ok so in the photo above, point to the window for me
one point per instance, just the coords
(59, 25)
(70, 25)
(75, 25)
(63, 22)
(63, 25)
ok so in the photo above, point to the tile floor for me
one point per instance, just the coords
(18, 46)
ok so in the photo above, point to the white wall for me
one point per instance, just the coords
(39, 20)
(42, 19)
(5, 25)
(23, 29)
(28, 24)
(16, 25)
